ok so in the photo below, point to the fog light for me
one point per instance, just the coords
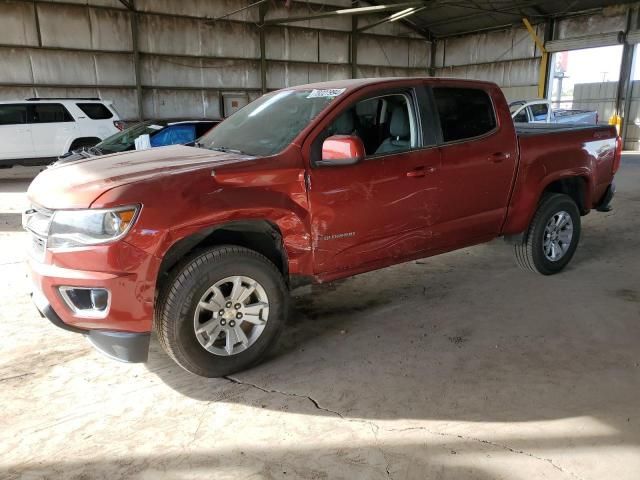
(86, 302)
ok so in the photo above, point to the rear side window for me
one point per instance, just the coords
(174, 135)
(50, 113)
(464, 112)
(13, 114)
(95, 111)
(539, 111)
(521, 117)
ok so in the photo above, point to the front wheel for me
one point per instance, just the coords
(553, 236)
(221, 310)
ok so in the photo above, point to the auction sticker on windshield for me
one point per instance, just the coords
(325, 92)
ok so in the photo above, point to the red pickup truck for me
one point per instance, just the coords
(307, 184)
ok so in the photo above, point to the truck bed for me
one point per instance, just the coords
(532, 129)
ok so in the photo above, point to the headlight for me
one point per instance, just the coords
(77, 228)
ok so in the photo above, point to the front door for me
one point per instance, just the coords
(375, 210)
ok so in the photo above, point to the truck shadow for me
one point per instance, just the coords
(311, 461)
(437, 340)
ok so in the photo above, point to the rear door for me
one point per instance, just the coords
(53, 129)
(479, 159)
(15, 132)
(375, 210)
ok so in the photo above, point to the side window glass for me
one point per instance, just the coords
(161, 138)
(50, 113)
(95, 111)
(464, 112)
(182, 134)
(385, 124)
(539, 112)
(13, 114)
(521, 117)
(202, 128)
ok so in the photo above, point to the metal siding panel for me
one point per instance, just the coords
(13, 93)
(57, 67)
(114, 69)
(110, 30)
(291, 44)
(334, 47)
(229, 74)
(64, 26)
(419, 54)
(17, 24)
(201, 8)
(374, 50)
(15, 66)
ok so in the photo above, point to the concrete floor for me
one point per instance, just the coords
(456, 367)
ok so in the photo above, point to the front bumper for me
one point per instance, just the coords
(129, 275)
(122, 346)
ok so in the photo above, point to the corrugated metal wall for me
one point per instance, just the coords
(507, 57)
(86, 48)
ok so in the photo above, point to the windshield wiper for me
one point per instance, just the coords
(95, 150)
(224, 149)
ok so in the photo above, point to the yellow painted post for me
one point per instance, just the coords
(543, 60)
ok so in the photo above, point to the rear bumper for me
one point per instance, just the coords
(605, 204)
(121, 346)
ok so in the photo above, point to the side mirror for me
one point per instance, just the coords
(143, 142)
(342, 150)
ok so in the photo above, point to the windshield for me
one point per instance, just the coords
(267, 125)
(124, 140)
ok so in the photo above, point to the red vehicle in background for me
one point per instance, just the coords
(307, 184)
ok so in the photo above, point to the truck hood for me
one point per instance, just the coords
(78, 184)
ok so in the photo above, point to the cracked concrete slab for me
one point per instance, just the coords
(455, 367)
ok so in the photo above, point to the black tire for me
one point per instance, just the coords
(530, 254)
(80, 143)
(189, 280)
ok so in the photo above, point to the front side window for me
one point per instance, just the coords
(385, 124)
(50, 113)
(95, 111)
(268, 125)
(13, 114)
(464, 112)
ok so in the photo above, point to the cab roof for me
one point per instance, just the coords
(353, 84)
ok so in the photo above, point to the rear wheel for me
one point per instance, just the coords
(221, 311)
(553, 235)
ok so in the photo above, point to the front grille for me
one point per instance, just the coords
(37, 221)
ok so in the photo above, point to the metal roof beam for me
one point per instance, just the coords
(345, 11)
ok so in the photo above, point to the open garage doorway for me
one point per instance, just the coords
(586, 79)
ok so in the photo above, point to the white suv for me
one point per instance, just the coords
(39, 130)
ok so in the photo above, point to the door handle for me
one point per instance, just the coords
(499, 157)
(420, 171)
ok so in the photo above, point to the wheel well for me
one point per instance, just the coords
(575, 187)
(258, 235)
(90, 141)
